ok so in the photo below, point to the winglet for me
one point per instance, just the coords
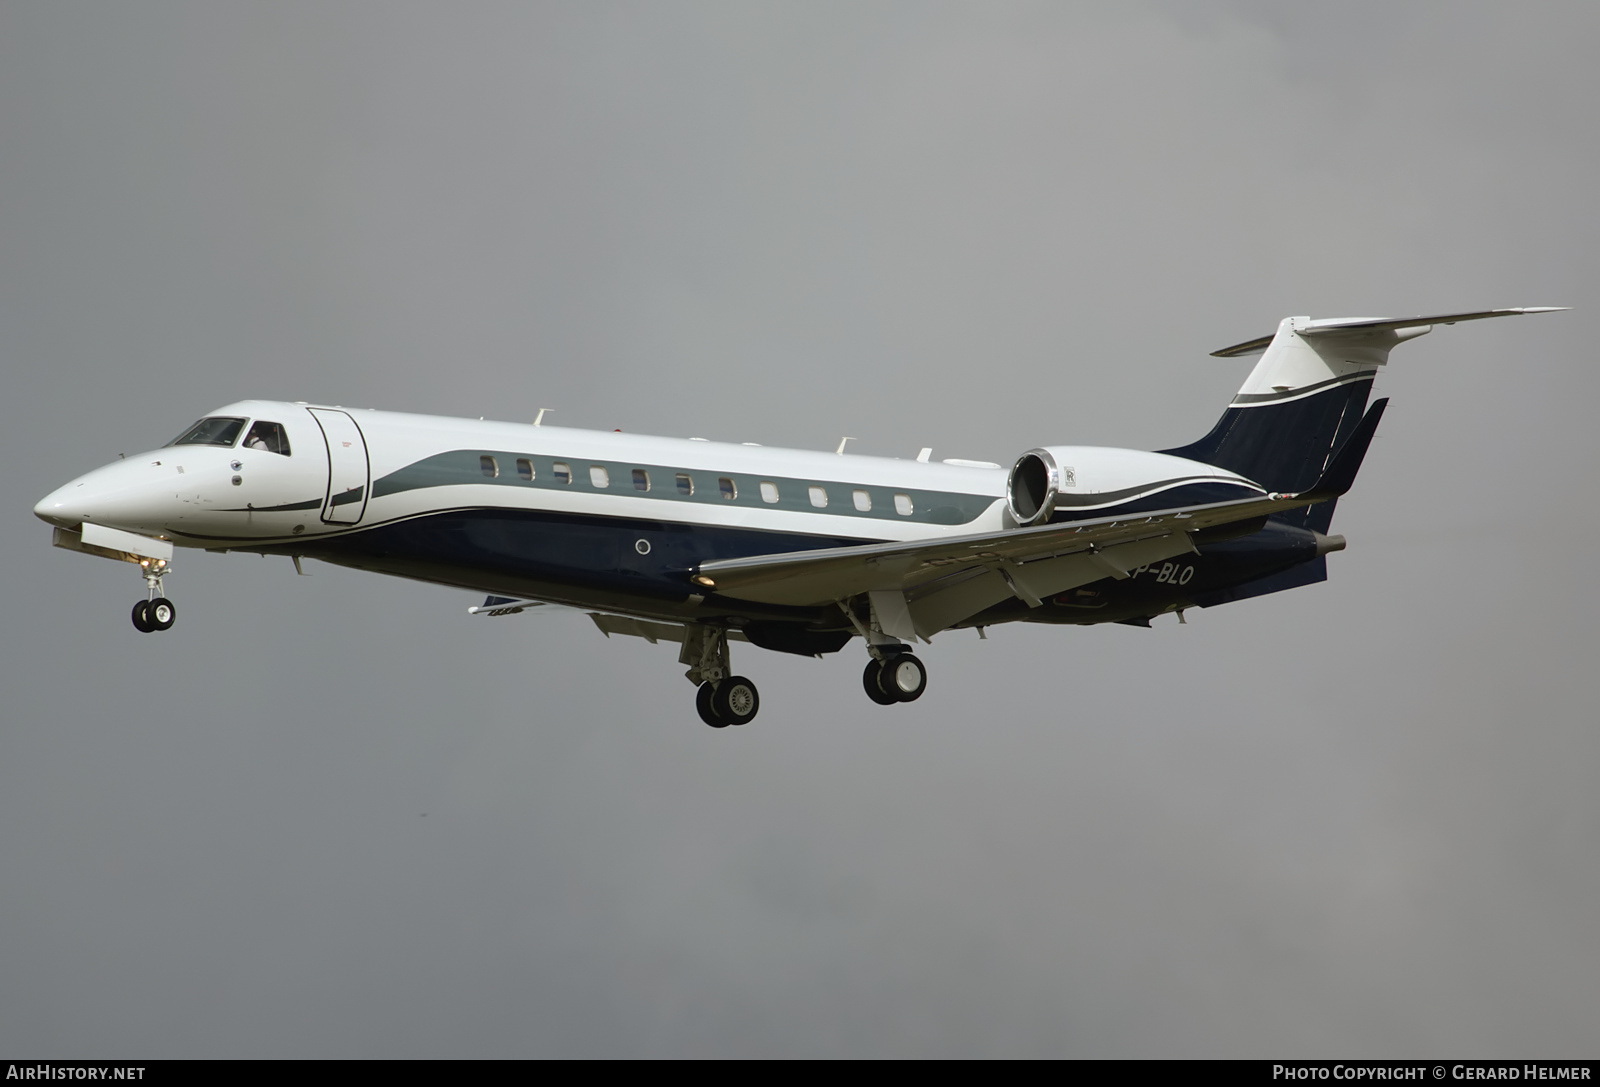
(1340, 474)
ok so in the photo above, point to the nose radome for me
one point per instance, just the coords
(59, 507)
(123, 494)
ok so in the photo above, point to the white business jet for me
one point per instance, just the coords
(700, 543)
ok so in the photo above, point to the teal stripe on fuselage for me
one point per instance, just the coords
(464, 466)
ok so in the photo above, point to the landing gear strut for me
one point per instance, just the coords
(156, 612)
(722, 699)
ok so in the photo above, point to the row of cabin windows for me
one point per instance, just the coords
(600, 477)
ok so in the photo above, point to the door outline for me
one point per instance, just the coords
(349, 468)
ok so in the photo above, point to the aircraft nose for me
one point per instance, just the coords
(123, 494)
(62, 507)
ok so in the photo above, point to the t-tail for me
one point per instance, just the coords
(1301, 425)
(1305, 399)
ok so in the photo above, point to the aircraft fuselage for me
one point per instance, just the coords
(611, 521)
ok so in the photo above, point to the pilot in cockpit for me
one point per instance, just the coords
(268, 437)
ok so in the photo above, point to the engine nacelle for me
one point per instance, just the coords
(1093, 478)
(1033, 485)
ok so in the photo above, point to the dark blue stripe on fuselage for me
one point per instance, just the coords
(595, 562)
(526, 552)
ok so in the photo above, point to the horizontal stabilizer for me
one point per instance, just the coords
(1355, 325)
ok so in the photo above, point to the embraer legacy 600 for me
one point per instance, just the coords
(702, 543)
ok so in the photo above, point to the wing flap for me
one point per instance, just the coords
(647, 629)
(944, 604)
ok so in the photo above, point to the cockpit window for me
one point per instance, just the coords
(218, 430)
(268, 436)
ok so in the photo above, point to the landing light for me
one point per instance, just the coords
(701, 579)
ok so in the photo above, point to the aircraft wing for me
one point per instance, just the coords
(1107, 547)
(920, 587)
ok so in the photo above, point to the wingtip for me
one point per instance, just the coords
(1514, 311)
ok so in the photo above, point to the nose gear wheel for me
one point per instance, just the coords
(155, 612)
(160, 613)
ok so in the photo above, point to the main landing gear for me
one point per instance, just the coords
(893, 674)
(731, 701)
(722, 699)
(156, 612)
(894, 677)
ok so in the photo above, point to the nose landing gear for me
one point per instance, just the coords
(156, 612)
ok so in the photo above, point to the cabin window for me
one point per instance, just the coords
(641, 479)
(902, 505)
(769, 491)
(819, 497)
(863, 501)
(487, 465)
(727, 488)
(563, 472)
(268, 437)
(218, 430)
(525, 469)
(685, 484)
(599, 476)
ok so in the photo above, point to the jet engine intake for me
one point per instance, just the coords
(1032, 487)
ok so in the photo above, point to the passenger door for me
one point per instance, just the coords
(347, 467)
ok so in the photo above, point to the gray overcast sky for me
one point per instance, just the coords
(335, 816)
